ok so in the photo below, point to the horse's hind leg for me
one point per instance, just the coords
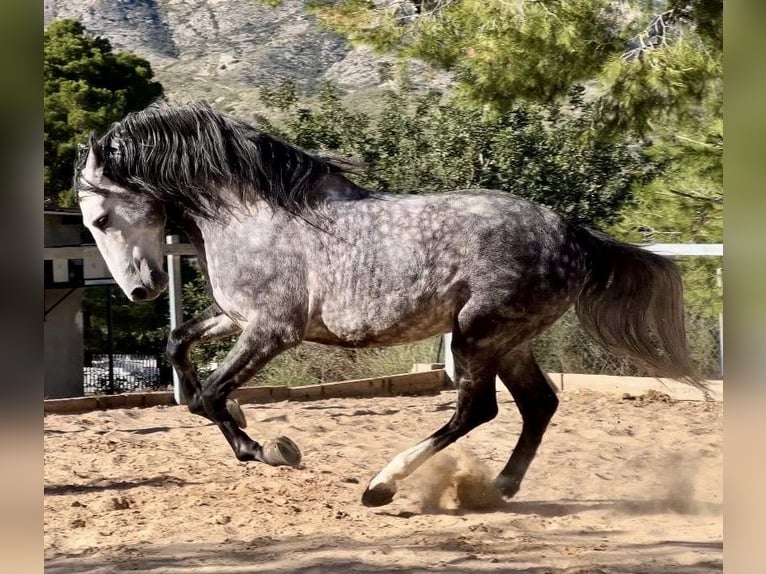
(476, 404)
(537, 402)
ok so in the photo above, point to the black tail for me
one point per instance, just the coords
(632, 303)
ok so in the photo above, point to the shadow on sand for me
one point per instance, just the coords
(447, 553)
(105, 484)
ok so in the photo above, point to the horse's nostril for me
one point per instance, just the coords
(138, 294)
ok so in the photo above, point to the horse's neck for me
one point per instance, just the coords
(194, 234)
(333, 187)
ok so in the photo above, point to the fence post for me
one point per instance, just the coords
(449, 360)
(175, 290)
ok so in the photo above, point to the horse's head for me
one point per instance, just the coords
(128, 228)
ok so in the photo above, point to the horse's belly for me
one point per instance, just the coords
(359, 328)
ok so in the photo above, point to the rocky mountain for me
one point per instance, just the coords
(223, 50)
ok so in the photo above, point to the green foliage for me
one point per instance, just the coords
(503, 51)
(310, 363)
(690, 168)
(141, 328)
(488, 45)
(662, 86)
(281, 96)
(362, 22)
(87, 87)
(707, 17)
(329, 125)
(195, 300)
(420, 142)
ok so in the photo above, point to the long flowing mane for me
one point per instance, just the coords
(205, 162)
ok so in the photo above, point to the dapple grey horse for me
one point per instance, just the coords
(294, 251)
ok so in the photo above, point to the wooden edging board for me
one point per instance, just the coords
(429, 382)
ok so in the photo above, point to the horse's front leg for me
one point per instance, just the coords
(260, 342)
(211, 324)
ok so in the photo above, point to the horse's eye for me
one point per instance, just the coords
(101, 222)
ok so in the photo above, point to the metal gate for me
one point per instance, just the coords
(121, 373)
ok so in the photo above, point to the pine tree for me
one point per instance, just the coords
(643, 60)
(87, 87)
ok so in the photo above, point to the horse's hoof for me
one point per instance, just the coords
(232, 406)
(506, 487)
(379, 495)
(282, 451)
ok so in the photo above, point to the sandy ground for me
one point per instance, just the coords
(623, 486)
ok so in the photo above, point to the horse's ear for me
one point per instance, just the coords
(95, 148)
(94, 163)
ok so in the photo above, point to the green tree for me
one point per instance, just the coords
(87, 86)
(644, 60)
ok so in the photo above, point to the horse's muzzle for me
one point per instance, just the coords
(151, 289)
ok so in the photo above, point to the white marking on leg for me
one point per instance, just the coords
(403, 464)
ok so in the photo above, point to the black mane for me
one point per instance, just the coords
(191, 155)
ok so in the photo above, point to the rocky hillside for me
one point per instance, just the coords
(223, 50)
